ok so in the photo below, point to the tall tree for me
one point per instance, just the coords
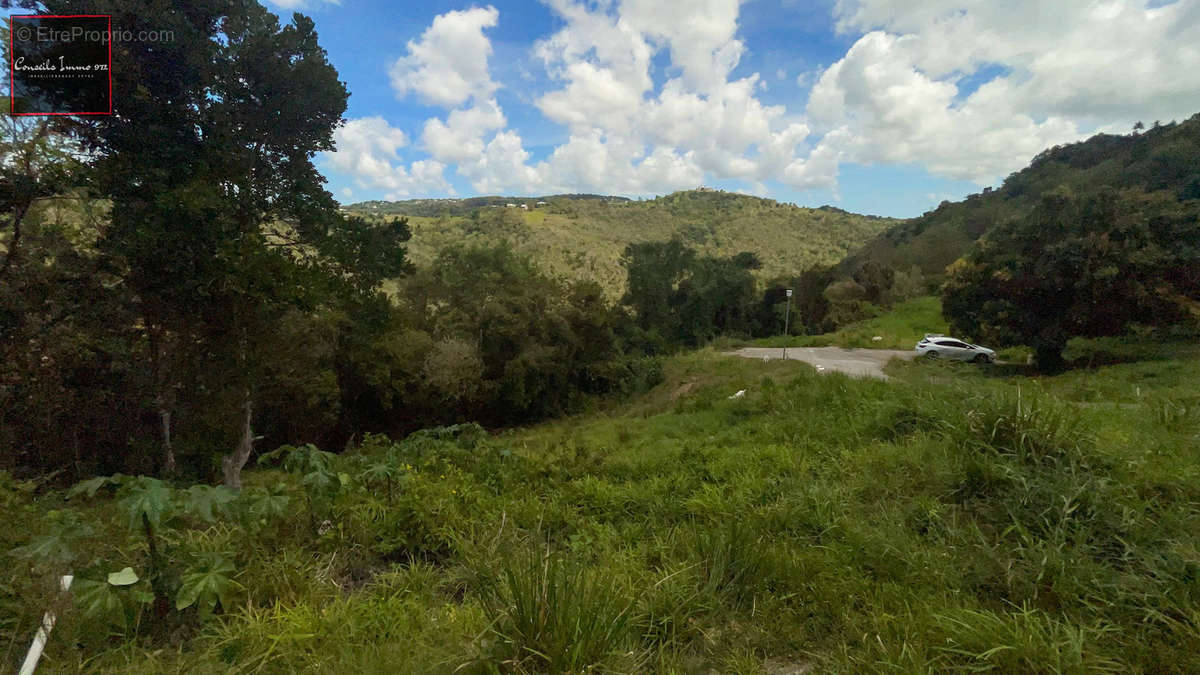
(219, 218)
(1079, 265)
(653, 272)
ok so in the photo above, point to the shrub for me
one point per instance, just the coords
(548, 613)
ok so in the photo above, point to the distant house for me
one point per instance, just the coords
(539, 204)
(524, 207)
(511, 206)
(703, 188)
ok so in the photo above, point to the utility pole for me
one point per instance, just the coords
(787, 314)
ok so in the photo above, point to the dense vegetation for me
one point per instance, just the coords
(1165, 157)
(1089, 265)
(173, 312)
(585, 238)
(165, 307)
(948, 519)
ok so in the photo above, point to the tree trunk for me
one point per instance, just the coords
(232, 463)
(164, 417)
(163, 397)
(1048, 358)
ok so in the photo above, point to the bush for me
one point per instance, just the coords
(549, 613)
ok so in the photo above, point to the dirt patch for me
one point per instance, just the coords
(682, 390)
(779, 667)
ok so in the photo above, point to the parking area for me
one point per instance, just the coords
(855, 362)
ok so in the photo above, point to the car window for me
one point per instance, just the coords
(947, 343)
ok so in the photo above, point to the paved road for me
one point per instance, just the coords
(856, 362)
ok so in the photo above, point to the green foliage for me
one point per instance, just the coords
(207, 584)
(688, 298)
(57, 543)
(901, 327)
(1078, 266)
(1162, 159)
(959, 519)
(584, 238)
(145, 500)
(549, 614)
(318, 476)
(207, 502)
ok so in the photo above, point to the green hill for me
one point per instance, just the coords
(1165, 157)
(582, 236)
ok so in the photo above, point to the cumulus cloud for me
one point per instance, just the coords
(700, 122)
(623, 135)
(449, 63)
(967, 89)
(1068, 68)
(368, 148)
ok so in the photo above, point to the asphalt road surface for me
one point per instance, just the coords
(855, 362)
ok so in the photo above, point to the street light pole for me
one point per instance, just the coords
(787, 314)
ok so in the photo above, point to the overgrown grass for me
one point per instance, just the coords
(951, 519)
(900, 328)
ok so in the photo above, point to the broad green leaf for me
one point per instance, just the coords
(207, 585)
(96, 598)
(263, 503)
(56, 545)
(206, 501)
(149, 497)
(125, 577)
(90, 486)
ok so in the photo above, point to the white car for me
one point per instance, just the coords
(939, 346)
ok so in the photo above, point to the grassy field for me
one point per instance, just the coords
(900, 328)
(953, 518)
(584, 239)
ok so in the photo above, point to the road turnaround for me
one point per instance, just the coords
(853, 362)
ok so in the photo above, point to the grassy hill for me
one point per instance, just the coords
(899, 328)
(951, 519)
(1165, 157)
(583, 236)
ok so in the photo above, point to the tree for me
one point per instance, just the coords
(1078, 265)
(221, 224)
(717, 297)
(653, 273)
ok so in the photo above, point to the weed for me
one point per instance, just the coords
(548, 613)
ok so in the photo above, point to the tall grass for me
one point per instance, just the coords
(549, 614)
(946, 520)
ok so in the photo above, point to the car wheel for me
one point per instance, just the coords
(981, 358)
(931, 355)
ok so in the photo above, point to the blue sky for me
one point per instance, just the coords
(875, 106)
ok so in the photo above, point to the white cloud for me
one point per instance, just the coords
(461, 137)
(1068, 67)
(449, 64)
(699, 122)
(368, 149)
(965, 88)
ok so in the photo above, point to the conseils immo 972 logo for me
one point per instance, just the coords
(60, 65)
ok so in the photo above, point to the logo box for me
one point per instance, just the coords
(60, 64)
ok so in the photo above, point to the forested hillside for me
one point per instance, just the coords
(582, 236)
(1163, 157)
